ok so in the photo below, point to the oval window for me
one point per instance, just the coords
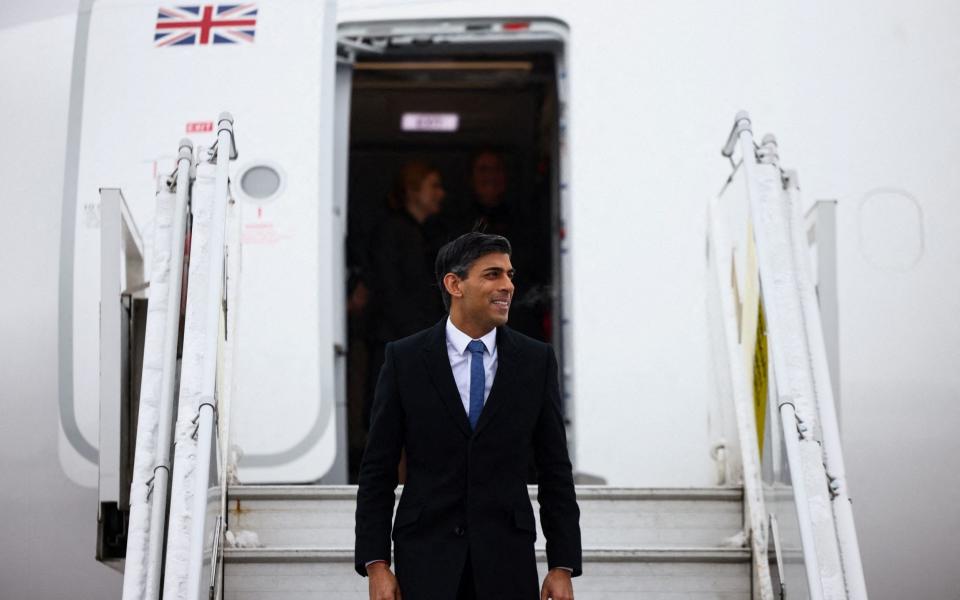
(260, 182)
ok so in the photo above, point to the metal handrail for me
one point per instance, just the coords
(798, 358)
(829, 423)
(224, 151)
(225, 391)
(196, 427)
(165, 429)
(755, 511)
(787, 409)
(152, 455)
(182, 568)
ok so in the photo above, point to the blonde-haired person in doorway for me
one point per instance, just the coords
(403, 294)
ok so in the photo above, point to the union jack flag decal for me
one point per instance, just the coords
(207, 24)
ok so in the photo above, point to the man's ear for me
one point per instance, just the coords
(452, 284)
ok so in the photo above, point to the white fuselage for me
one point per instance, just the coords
(862, 98)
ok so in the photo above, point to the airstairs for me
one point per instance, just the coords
(783, 529)
(637, 543)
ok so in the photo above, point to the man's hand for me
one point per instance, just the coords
(383, 584)
(556, 585)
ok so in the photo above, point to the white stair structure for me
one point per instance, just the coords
(787, 526)
(637, 543)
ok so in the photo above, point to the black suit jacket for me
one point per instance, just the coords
(466, 490)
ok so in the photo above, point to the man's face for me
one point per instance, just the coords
(487, 291)
(489, 179)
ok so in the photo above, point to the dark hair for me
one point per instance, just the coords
(488, 151)
(457, 256)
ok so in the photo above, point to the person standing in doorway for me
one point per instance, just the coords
(498, 207)
(403, 295)
(489, 211)
(471, 401)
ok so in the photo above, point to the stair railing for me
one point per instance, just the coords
(771, 287)
(149, 487)
(178, 551)
(732, 371)
(196, 525)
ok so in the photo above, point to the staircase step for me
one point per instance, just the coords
(649, 573)
(305, 516)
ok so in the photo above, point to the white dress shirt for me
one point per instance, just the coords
(460, 361)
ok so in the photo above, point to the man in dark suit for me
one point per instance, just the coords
(472, 402)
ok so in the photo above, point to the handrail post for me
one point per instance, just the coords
(225, 150)
(762, 182)
(829, 423)
(148, 491)
(161, 471)
(799, 362)
(746, 425)
(202, 365)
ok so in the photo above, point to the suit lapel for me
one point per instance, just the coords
(502, 380)
(441, 376)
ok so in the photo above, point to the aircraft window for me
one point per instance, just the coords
(260, 182)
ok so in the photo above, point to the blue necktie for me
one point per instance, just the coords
(477, 382)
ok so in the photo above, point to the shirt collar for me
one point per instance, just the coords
(459, 339)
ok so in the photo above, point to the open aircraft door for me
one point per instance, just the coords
(148, 75)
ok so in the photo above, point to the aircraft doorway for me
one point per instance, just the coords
(446, 138)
